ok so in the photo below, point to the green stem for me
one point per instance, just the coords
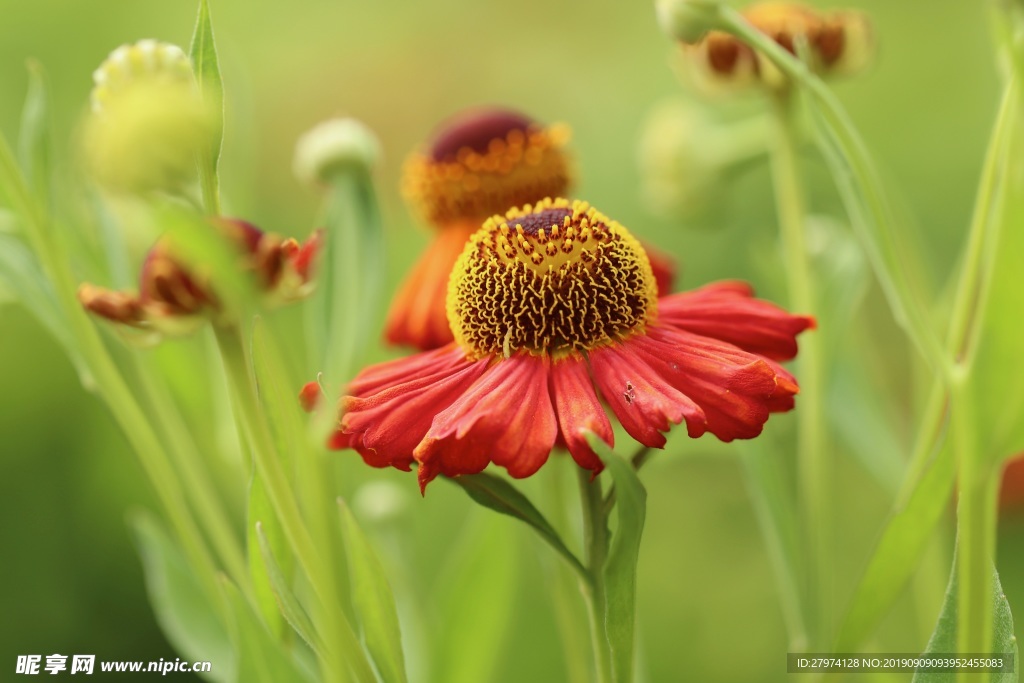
(595, 542)
(881, 244)
(110, 383)
(812, 451)
(328, 614)
(201, 489)
(976, 531)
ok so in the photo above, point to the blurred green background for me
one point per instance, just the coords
(708, 611)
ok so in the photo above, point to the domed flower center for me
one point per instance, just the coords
(551, 279)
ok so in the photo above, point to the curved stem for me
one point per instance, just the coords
(595, 543)
(812, 452)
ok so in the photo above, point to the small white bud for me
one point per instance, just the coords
(333, 146)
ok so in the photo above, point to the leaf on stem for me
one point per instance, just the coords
(285, 599)
(206, 67)
(498, 494)
(899, 550)
(34, 144)
(944, 638)
(623, 554)
(179, 602)
(373, 600)
(260, 658)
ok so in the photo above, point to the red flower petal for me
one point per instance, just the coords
(506, 417)
(305, 257)
(384, 375)
(1011, 490)
(385, 424)
(418, 316)
(577, 409)
(728, 311)
(664, 268)
(309, 396)
(639, 396)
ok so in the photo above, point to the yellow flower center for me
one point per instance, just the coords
(550, 279)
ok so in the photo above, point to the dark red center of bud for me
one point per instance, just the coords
(475, 129)
(535, 222)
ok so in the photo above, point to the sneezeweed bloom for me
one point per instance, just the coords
(174, 299)
(148, 120)
(554, 307)
(837, 43)
(479, 163)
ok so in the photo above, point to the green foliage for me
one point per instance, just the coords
(206, 67)
(373, 600)
(944, 638)
(286, 601)
(498, 494)
(35, 143)
(182, 608)
(620, 566)
(260, 658)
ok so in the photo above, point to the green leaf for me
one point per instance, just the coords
(773, 498)
(182, 610)
(206, 67)
(287, 602)
(261, 658)
(944, 638)
(620, 567)
(34, 144)
(498, 494)
(478, 597)
(997, 394)
(373, 600)
(900, 549)
(280, 406)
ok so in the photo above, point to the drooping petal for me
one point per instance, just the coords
(506, 417)
(383, 375)
(386, 422)
(641, 399)
(733, 387)
(418, 317)
(727, 311)
(577, 409)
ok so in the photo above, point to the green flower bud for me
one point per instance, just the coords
(687, 20)
(335, 146)
(149, 121)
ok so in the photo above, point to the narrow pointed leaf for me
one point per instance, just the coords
(261, 659)
(34, 144)
(944, 638)
(289, 605)
(373, 600)
(623, 554)
(205, 65)
(185, 615)
(500, 495)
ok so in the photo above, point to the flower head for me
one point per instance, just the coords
(148, 120)
(335, 145)
(479, 163)
(554, 308)
(173, 299)
(837, 43)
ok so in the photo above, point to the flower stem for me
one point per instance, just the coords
(880, 242)
(595, 544)
(328, 615)
(812, 452)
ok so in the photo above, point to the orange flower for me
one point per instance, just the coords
(554, 308)
(173, 300)
(838, 42)
(480, 162)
